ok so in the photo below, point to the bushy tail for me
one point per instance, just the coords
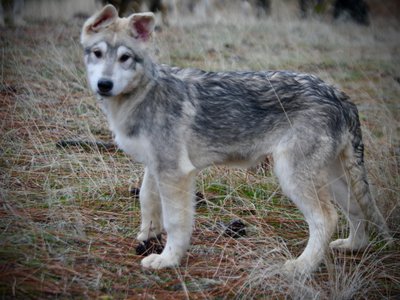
(354, 164)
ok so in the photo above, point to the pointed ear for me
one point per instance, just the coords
(142, 25)
(100, 20)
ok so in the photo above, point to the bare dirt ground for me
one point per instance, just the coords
(68, 220)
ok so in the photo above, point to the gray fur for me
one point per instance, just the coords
(238, 114)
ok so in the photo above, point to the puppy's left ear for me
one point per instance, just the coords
(142, 25)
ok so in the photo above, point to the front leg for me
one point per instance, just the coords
(150, 207)
(178, 216)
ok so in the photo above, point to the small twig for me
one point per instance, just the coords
(87, 145)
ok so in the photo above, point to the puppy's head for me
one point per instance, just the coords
(115, 50)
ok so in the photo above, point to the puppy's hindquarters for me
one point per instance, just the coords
(300, 168)
(356, 201)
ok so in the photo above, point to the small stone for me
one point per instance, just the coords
(135, 192)
(152, 245)
(235, 229)
(199, 198)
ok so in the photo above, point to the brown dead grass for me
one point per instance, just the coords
(67, 220)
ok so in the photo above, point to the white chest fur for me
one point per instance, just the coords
(138, 147)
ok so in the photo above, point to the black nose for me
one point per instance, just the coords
(105, 85)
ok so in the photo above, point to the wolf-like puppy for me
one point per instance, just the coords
(179, 121)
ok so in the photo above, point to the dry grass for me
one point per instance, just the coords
(68, 222)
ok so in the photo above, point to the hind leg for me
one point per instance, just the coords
(313, 199)
(341, 193)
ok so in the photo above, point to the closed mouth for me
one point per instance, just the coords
(104, 94)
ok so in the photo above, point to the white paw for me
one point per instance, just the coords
(340, 244)
(159, 261)
(347, 244)
(296, 267)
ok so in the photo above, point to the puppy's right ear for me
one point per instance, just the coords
(100, 20)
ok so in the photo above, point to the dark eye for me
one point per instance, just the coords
(97, 53)
(124, 58)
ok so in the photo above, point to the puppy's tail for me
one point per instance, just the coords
(354, 165)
